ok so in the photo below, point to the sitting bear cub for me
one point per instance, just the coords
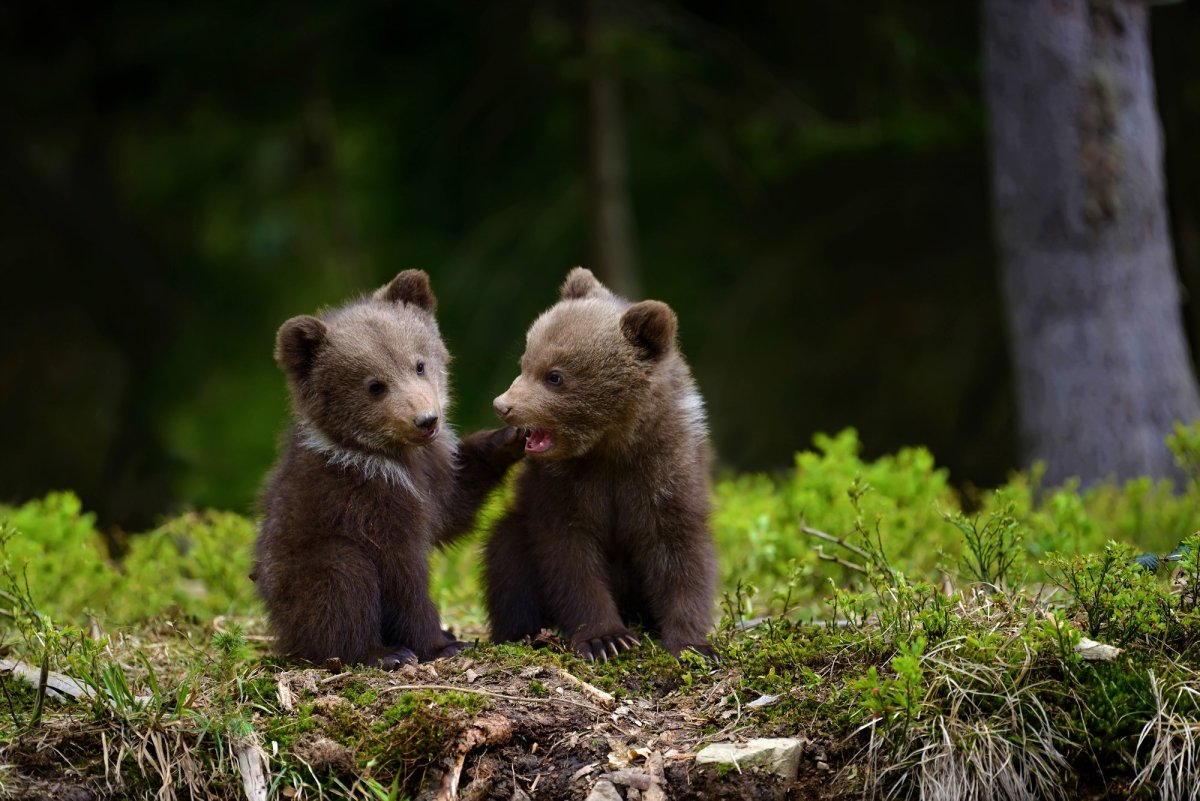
(610, 522)
(370, 480)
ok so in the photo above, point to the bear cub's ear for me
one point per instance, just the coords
(297, 344)
(579, 284)
(651, 326)
(410, 286)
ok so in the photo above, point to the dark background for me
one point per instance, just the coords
(808, 182)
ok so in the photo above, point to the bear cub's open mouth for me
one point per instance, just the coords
(539, 440)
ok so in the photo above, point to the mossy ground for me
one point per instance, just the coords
(937, 658)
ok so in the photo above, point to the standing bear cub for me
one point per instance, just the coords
(610, 523)
(370, 480)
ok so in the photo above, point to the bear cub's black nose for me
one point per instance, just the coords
(426, 420)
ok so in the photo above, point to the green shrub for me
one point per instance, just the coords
(54, 546)
(197, 564)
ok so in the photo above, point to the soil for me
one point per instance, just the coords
(537, 731)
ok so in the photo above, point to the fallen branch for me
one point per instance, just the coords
(601, 697)
(487, 730)
(250, 765)
(57, 685)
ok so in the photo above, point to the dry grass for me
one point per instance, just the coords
(1168, 748)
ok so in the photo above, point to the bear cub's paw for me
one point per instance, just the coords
(703, 647)
(602, 647)
(510, 443)
(452, 649)
(392, 658)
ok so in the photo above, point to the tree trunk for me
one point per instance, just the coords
(1102, 368)
(609, 205)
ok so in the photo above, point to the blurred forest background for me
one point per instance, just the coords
(807, 185)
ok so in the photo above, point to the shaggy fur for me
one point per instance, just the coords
(610, 523)
(370, 480)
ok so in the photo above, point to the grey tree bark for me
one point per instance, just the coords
(1102, 367)
(609, 204)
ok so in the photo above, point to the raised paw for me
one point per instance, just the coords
(511, 441)
(603, 647)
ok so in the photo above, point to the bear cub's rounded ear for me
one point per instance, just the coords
(651, 326)
(410, 286)
(297, 344)
(579, 284)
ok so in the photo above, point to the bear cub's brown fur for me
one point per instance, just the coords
(610, 523)
(370, 480)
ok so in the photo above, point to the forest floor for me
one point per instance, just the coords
(494, 722)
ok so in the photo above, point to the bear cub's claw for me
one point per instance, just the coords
(605, 646)
(396, 658)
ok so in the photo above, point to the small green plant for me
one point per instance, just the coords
(994, 546)
(896, 699)
(1117, 598)
(1185, 446)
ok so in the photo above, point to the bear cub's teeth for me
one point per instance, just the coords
(540, 440)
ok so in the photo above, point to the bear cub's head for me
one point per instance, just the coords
(372, 375)
(590, 363)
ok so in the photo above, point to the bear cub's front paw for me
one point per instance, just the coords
(510, 443)
(392, 658)
(702, 647)
(602, 647)
(452, 648)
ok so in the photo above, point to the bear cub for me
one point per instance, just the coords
(610, 522)
(370, 480)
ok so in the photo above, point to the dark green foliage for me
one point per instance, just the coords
(928, 660)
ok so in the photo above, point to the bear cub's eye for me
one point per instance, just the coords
(554, 378)
(376, 387)
(420, 368)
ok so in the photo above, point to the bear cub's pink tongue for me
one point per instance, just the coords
(539, 441)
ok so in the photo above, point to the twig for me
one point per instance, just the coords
(448, 789)
(604, 699)
(839, 560)
(489, 694)
(250, 766)
(12, 710)
(57, 684)
(821, 535)
(487, 730)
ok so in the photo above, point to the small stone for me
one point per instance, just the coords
(823, 766)
(531, 672)
(604, 791)
(471, 676)
(1093, 651)
(585, 770)
(629, 778)
(778, 755)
